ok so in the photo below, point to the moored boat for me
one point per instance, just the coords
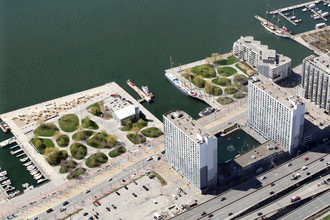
(320, 25)
(206, 111)
(146, 91)
(297, 20)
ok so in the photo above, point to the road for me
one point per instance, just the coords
(248, 194)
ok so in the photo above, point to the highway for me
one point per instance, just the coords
(97, 190)
(255, 190)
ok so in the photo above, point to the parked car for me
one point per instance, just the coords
(117, 193)
(271, 192)
(65, 203)
(306, 158)
(49, 210)
(87, 191)
(289, 164)
(146, 188)
(203, 213)
(113, 206)
(85, 214)
(107, 208)
(295, 198)
(134, 194)
(321, 159)
(263, 177)
(62, 209)
(304, 168)
(108, 180)
(135, 182)
(126, 187)
(97, 203)
(223, 198)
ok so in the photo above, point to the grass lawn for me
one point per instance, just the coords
(89, 124)
(222, 81)
(102, 140)
(94, 109)
(42, 143)
(69, 123)
(227, 71)
(75, 173)
(117, 152)
(245, 68)
(141, 123)
(63, 140)
(96, 160)
(67, 165)
(46, 130)
(225, 100)
(213, 90)
(230, 90)
(136, 139)
(229, 61)
(78, 151)
(204, 70)
(161, 179)
(82, 135)
(239, 95)
(152, 132)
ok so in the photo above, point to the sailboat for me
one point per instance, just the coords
(275, 29)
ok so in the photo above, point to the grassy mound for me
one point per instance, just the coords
(229, 61)
(75, 173)
(230, 90)
(82, 135)
(67, 165)
(204, 70)
(141, 123)
(46, 130)
(63, 140)
(213, 90)
(94, 109)
(96, 160)
(89, 124)
(117, 152)
(240, 80)
(55, 157)
(152, 132)
(69, 123)
(136, 138)
(225, 100)
(42, 143)
(227, 71)
(222, 81)
(102, 140)
(78, 151)
(239, 95)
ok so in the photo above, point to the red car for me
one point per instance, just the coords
(98, 203)
(306, 158)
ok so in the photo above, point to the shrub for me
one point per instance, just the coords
(78, 151)
(225, 100)
(230, 90)
(136, 138)
(199, 81)
(227, 71)
(117, 152)
(75, 173)
(102, 140)
(240, 80)
(204, 70)
(54, 156)
(213, 90)
(239, 95)
(42, 143)
(96, 160)
(67, 165)
(94, 109)
(63, 140)
(82, 135)
(89, 124)
(222, 81)
(69, 123)
(152, 132)
(46, 129)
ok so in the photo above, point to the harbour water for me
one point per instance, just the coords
(49, 49)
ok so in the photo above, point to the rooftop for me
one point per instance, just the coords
(115, 103)
(259, 153)
(188, 125)
(322, 62)
(279, 93)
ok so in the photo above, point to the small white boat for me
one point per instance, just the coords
(41, 180)
(305, 9)
(37, 176)
(27, 163)
(3, 178)
(23, 159)
(31, 167)
(297, 20)
(292, 17)
(325, 14)
(3, 173)
(320, 25)
(34, 172)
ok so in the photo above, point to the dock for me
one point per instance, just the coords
(288, 19)
(276, 27)
(294, 7)
(143, 96)
(13, 147)
(15, 152)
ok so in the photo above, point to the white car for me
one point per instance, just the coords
(62, 209)
(304, 168)
(263, 177)
(108, 180)
(87, 191)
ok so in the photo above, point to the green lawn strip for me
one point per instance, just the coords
(89, 124)
(46, 130)
(75, 173)
(117, 152)
(161, 179)
(229, 61)
(222, 81)
(230, 90)
(136, 138)
(78, 151)
(213, 90)
(69, 123)
(82, 135)
(227, 71)
(96, 160)
(102, 140)
(152, 132)
(225, 100)
(73, 213)
(94, 109)
(67, 165)
(205, 70)
(63, 140)
(239, 95)
(42, 143)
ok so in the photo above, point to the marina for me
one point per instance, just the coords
(8, 142)
(145, 94)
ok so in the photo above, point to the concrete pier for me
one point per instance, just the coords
(294, 7)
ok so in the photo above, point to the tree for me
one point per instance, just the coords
(208, 60)
(112, 140)
(37, 142)
(87, 122)
(199, 81)
(135, 130)
(128, 122)
(214, 56)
